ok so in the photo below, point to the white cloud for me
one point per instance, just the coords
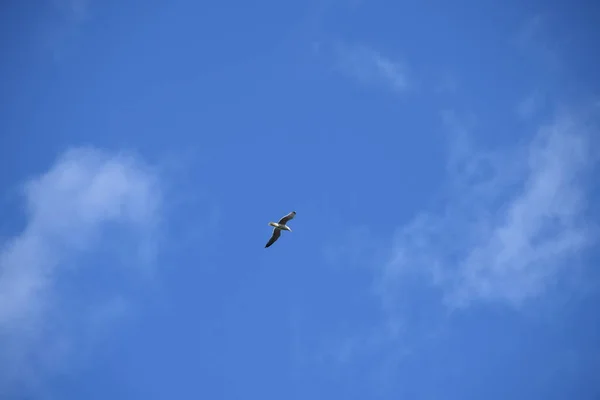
(512, 223)
(84, 200)
(371, 67)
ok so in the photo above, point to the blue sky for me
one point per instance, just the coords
(441, 159)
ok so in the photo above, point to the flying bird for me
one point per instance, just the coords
(279, 226)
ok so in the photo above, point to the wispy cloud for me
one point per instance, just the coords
(369, 66)
(82, 205)
(512, 222)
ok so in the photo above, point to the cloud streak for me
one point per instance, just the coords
(73, 210)
(511, 224)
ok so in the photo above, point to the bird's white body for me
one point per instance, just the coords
(280, 226)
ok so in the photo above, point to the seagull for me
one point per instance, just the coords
(279, 226)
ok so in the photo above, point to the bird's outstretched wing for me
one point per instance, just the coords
(285, 219)
(274, 237)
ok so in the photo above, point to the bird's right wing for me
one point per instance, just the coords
(286, 218)
(274, 237)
